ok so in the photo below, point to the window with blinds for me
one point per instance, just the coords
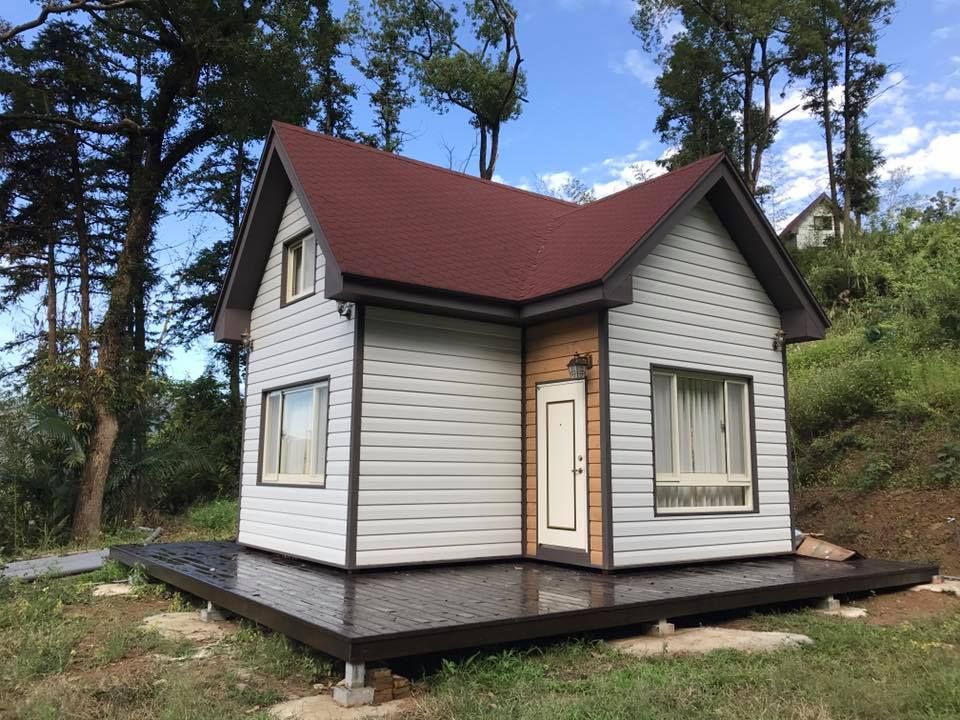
(702, 450)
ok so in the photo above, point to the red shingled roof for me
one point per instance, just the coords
(390, 218)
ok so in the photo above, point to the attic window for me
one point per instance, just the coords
(298, 268)
(823, 223)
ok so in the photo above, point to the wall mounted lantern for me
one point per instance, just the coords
(578, 366)
(778, 340)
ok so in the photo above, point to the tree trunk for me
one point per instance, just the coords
(747, 142)
(483, 151)
(848, 125)
(827, 120)
(93, 482)
(83, 254)
(494, 151)
(116, 320)
(51, 296)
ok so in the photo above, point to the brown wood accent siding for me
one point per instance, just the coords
(548, 349)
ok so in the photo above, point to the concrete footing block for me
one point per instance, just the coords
(829, 603)
(352, 697)
(662, 629)
(212, 613)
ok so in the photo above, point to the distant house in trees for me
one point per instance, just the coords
(813, 227)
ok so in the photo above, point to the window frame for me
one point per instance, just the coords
(306, 241)
(315, 479)
(676, 479)
(819, 218)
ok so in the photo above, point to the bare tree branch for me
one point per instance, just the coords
(55, 9)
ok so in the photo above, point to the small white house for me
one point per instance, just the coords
(812, 227)
(443, 368)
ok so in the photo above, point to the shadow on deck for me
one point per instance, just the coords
(396, 613)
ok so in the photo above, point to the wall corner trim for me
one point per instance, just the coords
(356, 416)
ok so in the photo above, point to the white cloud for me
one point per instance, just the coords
(637, 64)
(939, 159)
(804, 158)
(555, 181)
(945, 33)
(901, 142)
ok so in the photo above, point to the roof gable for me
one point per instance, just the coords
(415, 234)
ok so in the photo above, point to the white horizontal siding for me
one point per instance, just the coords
(440, 450)
(697, 305)
(305, 340)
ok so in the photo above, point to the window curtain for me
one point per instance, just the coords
(296, 432)
(663, 422)
(700, 412)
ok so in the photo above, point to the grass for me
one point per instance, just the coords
(210, 520)
(277, 655)
(852, 671)
(64, 654)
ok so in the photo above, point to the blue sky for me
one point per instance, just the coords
(592, 107)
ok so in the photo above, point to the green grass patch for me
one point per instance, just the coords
(277, 655)
(853, 671)
(218, 518)
(37, 637)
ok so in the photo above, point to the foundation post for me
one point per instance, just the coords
(352, 690)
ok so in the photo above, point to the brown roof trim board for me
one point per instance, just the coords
(714, 179)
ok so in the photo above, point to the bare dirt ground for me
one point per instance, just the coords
(894, 524)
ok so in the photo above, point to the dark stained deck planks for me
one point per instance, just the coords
(395, 613)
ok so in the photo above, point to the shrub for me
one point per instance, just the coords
(825, 398)
(946, 471)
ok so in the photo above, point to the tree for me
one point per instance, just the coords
(383, 37)
(486, 80)
(189, 73)
(862, 73)
(716, 88)
(813, 38)
(220, 183)
(833, 46)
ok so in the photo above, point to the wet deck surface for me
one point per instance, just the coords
(394, 613)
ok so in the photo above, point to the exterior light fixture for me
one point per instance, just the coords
(778, 340)
(578, 366)
(345, 309)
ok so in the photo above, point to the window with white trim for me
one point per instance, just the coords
(295, 435)
(298, 262)
(702, 449)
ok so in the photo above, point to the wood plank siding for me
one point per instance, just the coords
(549, 348)
(440, 440)
(295, 343)
(697, 305)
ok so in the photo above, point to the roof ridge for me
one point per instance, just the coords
(713, 159)
(423, 164)
(553, 224)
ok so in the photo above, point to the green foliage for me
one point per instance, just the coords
(892, 357)
(218, 518)
(947, 469)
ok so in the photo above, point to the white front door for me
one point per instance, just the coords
(562, 465)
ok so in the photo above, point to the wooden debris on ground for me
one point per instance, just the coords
(817, 548)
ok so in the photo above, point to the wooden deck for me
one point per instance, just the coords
(395, 613)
